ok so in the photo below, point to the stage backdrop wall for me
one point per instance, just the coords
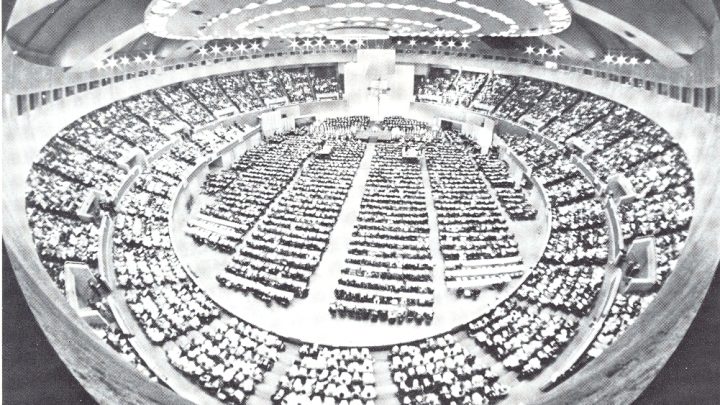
(371, 65)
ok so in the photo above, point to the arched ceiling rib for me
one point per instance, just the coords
(653, 46)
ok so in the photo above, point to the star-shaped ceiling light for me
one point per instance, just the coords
(529, 50)
(112, 62)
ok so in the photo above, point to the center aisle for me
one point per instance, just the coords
(442, 295)
(325, 278)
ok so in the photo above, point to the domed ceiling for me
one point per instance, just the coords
(206, 19)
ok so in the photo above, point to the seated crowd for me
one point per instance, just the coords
(552, 105)
(473, 231)
(241, 92)
(525, 338)
(447, 86)
(228, 358)
(239, 195)
(511, 196)
(571, 289)
(298, 84)
(495, 90)
(407, 125)
(276, 259)
(209, 93)
(440, 370)
(388, 273)
(584, 113)
(347, 125)
(328, 375)
(526, 95)
(120, 343)
(177, 98)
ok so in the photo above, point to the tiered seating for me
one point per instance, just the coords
(524, 337)
(268, 87)
(242, 193)
(657, 175)
(403, 124)
(495, 90)
(184, 105)
(473, 232)
(75, 165)
(435, 86)
(552, 105)
(325, 375)
(658, 215)
(298, 85)
(241, 92)
(586, 214)
(388, 273)
(624, 311)
(210, 140)
(466, 87)
(276, 260)
(448, 86)
(59, 239)
(526, 95)
(511, 198)
(129, 128)
(638, 141)
(228, 358)
(87, 135)
(119, 342)
(347, 125)
(147, 107)
(326, 85)
(568, 289)
(583, 114)
(441, 371)
(165, 312)
(209, 93)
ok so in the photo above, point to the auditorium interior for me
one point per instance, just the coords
(322, 202)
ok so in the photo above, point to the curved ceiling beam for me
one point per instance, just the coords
(631, 33)
(107, 49)
(577, 42)
(111, 19)
(25, 8)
